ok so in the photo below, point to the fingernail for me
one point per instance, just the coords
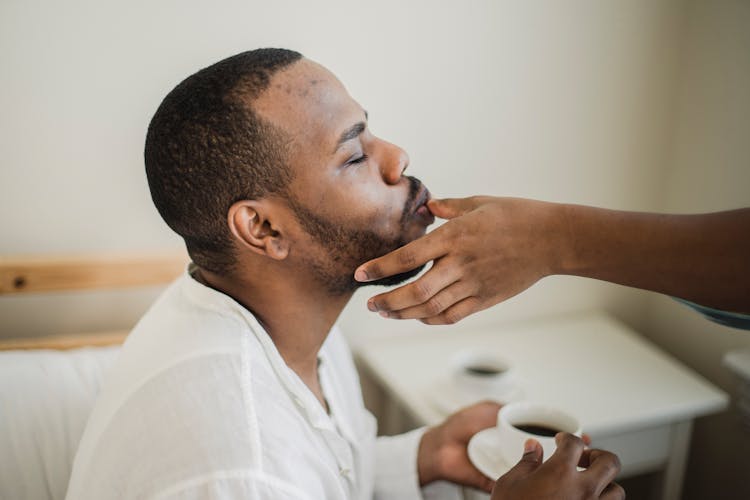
(361, 275)
(371, 306)
(384, 314)
(529, 446)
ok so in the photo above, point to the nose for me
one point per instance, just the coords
(395, 161)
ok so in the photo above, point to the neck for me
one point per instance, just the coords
(296, 314)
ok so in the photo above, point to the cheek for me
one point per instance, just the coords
(376, 209)
(356, 198)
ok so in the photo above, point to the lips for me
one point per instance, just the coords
(421, 210)
(420, 203)
(415, 208)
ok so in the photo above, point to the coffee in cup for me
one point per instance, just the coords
(483, 370)
(523, 420)
(480, 374)
(538, 430)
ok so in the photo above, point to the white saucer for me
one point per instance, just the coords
(484, 453)
(448, 397)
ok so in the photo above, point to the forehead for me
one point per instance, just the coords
(309, 103)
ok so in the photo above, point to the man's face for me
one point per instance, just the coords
(348, 194)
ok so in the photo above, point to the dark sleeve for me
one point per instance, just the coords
(726, 318)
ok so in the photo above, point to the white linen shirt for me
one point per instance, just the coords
(200, 404)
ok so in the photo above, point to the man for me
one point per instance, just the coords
(237, 384)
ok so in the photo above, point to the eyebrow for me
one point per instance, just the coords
(351, 133)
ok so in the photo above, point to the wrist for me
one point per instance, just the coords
(428, 457)
(588, 240)
(558, 247)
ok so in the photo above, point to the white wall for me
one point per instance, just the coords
(561, 101)
(709, 169)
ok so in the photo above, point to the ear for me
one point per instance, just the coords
(253, 227)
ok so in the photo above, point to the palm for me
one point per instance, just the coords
(455, 433)
(460, 470)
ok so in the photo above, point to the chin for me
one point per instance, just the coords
(419, 228)
(396, 279)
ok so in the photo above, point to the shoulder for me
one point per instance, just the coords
(194, 416)
(177, 402)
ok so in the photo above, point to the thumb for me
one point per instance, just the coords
(531, 459)
(449, 208)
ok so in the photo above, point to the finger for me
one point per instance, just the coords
(602, 469)
(569, 448)
(613, 491)
(585, 459)
(475, 418)
(586, 439)
(417, 292)
(456, 312)
(449, 208)
(408, 257)
(533, 454)
(434, 306)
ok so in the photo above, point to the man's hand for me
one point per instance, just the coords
(442, 452)
(490, 250)
(558, 477)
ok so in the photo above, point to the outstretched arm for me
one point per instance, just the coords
(494, 248)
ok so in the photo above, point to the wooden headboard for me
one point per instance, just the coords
(39, 274)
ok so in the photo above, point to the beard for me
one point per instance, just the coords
(348, 247)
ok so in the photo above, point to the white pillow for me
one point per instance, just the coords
(45, 400)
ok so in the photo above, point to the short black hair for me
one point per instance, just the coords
(206, 149)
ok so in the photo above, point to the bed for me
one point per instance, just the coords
(48, 384)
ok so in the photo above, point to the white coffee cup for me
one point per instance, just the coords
(482, 374)
(531, 418)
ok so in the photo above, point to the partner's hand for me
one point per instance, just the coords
(442, 452)
(558, 477)
(490, 250)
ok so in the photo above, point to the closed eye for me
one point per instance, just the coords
(357, 160)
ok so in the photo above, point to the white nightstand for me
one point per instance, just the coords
(631, 397)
